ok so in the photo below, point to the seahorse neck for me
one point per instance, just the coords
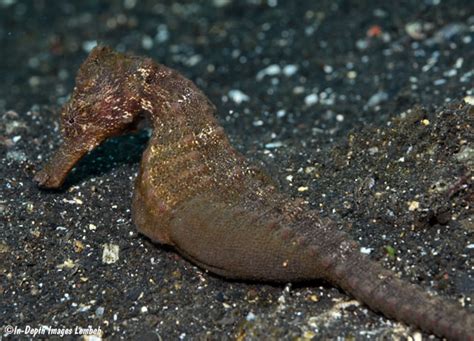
(175, 104)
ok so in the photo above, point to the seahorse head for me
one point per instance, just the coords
(106, 97)
(105, 102)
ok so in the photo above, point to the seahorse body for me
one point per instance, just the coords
(195, 192)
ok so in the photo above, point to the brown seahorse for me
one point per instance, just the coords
(195, 192)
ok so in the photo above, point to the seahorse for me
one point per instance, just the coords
(197, 193)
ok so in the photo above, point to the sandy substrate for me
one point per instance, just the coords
(363, 111)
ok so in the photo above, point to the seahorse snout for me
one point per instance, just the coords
(55, 171)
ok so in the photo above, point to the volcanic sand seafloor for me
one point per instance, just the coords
(321, 95)
(409, 210)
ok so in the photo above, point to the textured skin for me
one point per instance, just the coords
(195, 192)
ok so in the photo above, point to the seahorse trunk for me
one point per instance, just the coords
(382, 291)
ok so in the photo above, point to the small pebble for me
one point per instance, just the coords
(373, 150)
(413, 205)
(271, 70)
(193, 60)
(129, 4)
(273, 145)
(221, 3)
(415, 30)
(6, 3)
(328, 68)
(34, 81)
(162, 34)
(351, 74)
(78, 246)
(465, 155)
(377, 98)
(417, 336)
(238, 96)
(99, 312)
(83, 308)
(88, 45)
(4, 248)
(68, 264)
(110, 253)
(147, 42)
(290, 70)
(91, 338)
(250, 316)
(469, 100)
(297, 90)
(311, 99)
